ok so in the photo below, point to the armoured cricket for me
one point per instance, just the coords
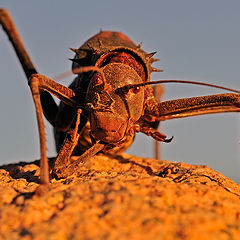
(110, 99)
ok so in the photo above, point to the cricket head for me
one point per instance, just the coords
(113, 112)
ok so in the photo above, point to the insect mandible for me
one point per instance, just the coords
(110, 99)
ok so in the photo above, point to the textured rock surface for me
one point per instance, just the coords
(120, 198)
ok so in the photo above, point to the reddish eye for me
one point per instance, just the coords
(135, 90)
(97, 80)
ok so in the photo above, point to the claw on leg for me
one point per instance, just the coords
(168, 140)
(153, 133)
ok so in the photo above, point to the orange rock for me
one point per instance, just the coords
(121, 197)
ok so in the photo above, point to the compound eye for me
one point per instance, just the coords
(97, 80)
(135, 90)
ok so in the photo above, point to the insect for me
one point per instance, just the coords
(110, 99)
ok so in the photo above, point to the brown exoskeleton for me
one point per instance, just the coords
(108, 102)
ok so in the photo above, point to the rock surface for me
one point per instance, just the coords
(121, 197)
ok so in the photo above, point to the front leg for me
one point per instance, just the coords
(187, 107)
(38, 83)
(67, 148)
(63, 171)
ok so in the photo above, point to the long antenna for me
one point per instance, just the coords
(126, 88)
(81, 70)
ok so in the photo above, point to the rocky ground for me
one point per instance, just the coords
(121, 197)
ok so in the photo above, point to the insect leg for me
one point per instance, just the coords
(37, 83)
(187, 107)
(13, 35)
(65, 94)
(49, 106)
(44, 175)
(66, 150)
(158, 92)
(151, 132)
(66, 171)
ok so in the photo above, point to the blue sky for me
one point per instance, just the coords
(195, 40)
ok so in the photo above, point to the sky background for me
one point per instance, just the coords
(195, 40)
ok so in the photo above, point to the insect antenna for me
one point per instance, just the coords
(126, 88)
(81, 70)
